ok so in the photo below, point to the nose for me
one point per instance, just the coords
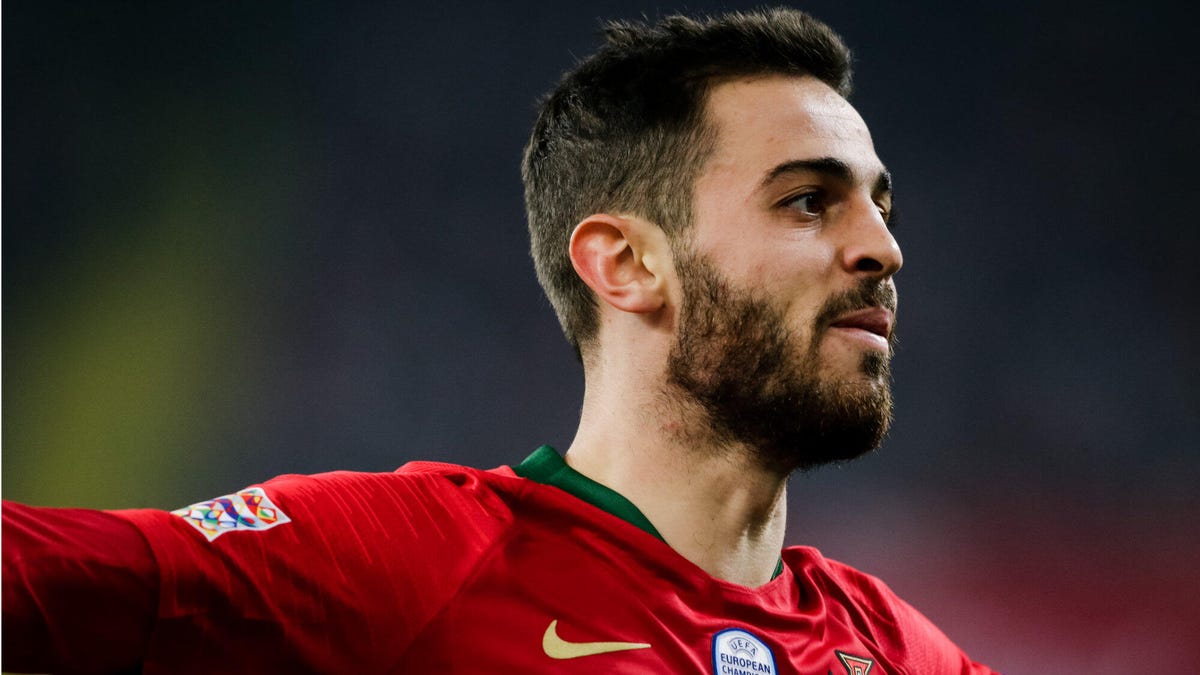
(870, 249)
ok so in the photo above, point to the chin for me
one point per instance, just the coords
(872, 368)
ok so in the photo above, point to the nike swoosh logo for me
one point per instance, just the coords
(558, 648)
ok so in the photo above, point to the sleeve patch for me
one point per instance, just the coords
(248, 509)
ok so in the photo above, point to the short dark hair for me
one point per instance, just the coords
(625, 131)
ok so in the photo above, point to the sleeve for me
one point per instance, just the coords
(900, 630)
(80, 591)
(337, 572)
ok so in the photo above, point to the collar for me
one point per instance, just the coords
(547, 467)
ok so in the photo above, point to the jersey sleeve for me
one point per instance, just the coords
(336, 572)
(80, 591)
(903, 632)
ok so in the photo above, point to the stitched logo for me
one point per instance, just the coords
(738, 652)
(558, 648)
(249, 509)
(855, 665)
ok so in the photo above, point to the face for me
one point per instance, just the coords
(786, 295)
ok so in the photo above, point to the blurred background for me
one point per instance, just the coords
(245, 239)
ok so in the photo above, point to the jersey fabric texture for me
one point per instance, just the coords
(433, 568)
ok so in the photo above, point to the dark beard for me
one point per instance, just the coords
(735, 357)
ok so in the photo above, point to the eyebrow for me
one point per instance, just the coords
(828, 166)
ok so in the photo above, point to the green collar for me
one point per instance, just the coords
(546, 466)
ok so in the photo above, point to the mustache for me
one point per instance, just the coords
(869, 293)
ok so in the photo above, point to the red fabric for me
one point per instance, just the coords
(439, 568)
(80, 591)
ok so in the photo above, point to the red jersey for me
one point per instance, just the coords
(433, 568)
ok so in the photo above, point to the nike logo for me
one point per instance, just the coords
(558, 648)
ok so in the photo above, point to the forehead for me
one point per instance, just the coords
(765, 121)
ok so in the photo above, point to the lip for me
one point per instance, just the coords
(877, 321)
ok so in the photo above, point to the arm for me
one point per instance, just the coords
(80, 591)
(335, 573)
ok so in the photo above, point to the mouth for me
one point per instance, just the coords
(876, 322)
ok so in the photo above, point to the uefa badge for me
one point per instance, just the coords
(736, 652)
(249, 509)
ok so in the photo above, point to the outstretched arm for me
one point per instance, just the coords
(80, 591)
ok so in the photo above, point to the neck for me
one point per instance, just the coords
(712, 502)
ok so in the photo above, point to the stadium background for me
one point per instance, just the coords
(245, 239)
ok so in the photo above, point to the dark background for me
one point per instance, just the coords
(258, 238)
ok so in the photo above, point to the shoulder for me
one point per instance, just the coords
(407, 501)
(414, 479)
(329, 558)
(895, 626)
(409, 489)
(867, 592)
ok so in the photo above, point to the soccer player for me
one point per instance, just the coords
(710, 221)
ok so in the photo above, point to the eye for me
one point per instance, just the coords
(810, 204)
(889, 217)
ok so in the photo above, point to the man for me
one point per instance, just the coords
(710, 221)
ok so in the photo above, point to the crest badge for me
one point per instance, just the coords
(855, 665)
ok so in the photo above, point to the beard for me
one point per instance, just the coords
(759, 385)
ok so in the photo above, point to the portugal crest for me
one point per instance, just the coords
(855, 665)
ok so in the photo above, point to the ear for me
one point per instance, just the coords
(620, 259)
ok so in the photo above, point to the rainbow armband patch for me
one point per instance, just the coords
(248, 509)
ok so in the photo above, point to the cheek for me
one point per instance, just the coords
(791, 269)
(805, 335)
(800, 285)
(788, 271)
